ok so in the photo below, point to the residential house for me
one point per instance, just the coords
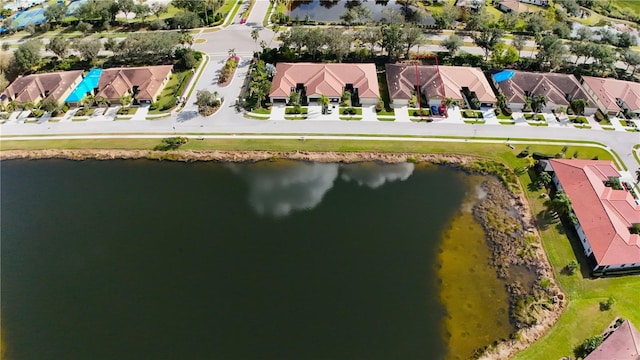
(436, 83)
(512, 6)
(38, 87)
(544, 3)
(313, 80)
(621, 344)
(558, 90)
(144, 84)
(612, 95)
(471, 4)
(606, 216)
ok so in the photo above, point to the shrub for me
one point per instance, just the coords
(587, 346)
(172, 143)
(571, 267)
(607, 304)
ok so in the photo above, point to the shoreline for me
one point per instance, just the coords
(501, 203)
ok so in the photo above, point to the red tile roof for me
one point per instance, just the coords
(325, 79)
(31, 88)
(622, 344)
(117, 82)
(609, 90)
(604, 214)
(555, 87)
(401, 80)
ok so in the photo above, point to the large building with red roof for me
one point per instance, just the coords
(330, 80)
(605, 215)
(622, 344)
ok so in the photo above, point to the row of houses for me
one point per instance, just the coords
(461, 84)
(143, 84)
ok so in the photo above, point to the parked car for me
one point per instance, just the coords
(434, 110)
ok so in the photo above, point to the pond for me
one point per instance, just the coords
(332, 10)
(270, 260)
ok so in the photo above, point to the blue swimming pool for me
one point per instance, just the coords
(87, 85)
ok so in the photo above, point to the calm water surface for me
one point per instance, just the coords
(279, 260)
(331, 10)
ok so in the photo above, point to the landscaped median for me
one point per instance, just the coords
(296, 112)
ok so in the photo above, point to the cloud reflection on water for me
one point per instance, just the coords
(279, 189)
(375, 175)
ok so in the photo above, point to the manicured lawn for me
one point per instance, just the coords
(358, 111)
(634, 5)
(502, 116)
(173, 89)
(386, 113)
(261, 111)
(291, 110)
(127, 110)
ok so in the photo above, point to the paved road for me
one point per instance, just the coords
(229, 121)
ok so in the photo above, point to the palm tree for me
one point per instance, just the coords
(561, 203)
(538, 103)
(501, 101)
(638, 176)
(578, 106)
(255, 34)
(324, 100)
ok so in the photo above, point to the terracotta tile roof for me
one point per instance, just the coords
(401, 79)
(609, 90)
(325, 79)
(556, 88)
(604, 214)
(117, 82)
(33, 87)
(514, 5)
(622, 344)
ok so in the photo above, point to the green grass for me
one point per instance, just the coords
(357, 109)
(267, 15)
(173, 89)
(474, 121)
(386, 119)
(256, 117)
(290, 110)
(351, 118)
(507, 122)
(261, 111)
(630, 4)
(386, 113)
(538, 124)
(502, 116)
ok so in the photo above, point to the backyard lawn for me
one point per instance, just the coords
(174, 88)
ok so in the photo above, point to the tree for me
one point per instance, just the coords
(392, 37)
(452, 44)
(561, 203)
(50, 105)
(314, 41)
(59, 46)
(127, 7)
(186, 20)
(142, 12)
(324, 100)
(412, 36)
(27, 55)
(501, 101)
(188, 5)
(604, 57)
(509, 21)
(371, 36)
(88, 49)
(148, 47)
(631, 58)
(111, 44)
(487, 39)
(580, 49)
(55, 13)
(551, 51)
(338, 43)
(480, 20)
(255, 35)
(584, 33)
(185, 38)
(588, 346)
(626, 40)
(578, 106)
(446, 18)
(538, 102)
(158, 9)
(504, 54)
(104, 10)
(125, 100)
(543, 180)
(519, 42)
(537, 23)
